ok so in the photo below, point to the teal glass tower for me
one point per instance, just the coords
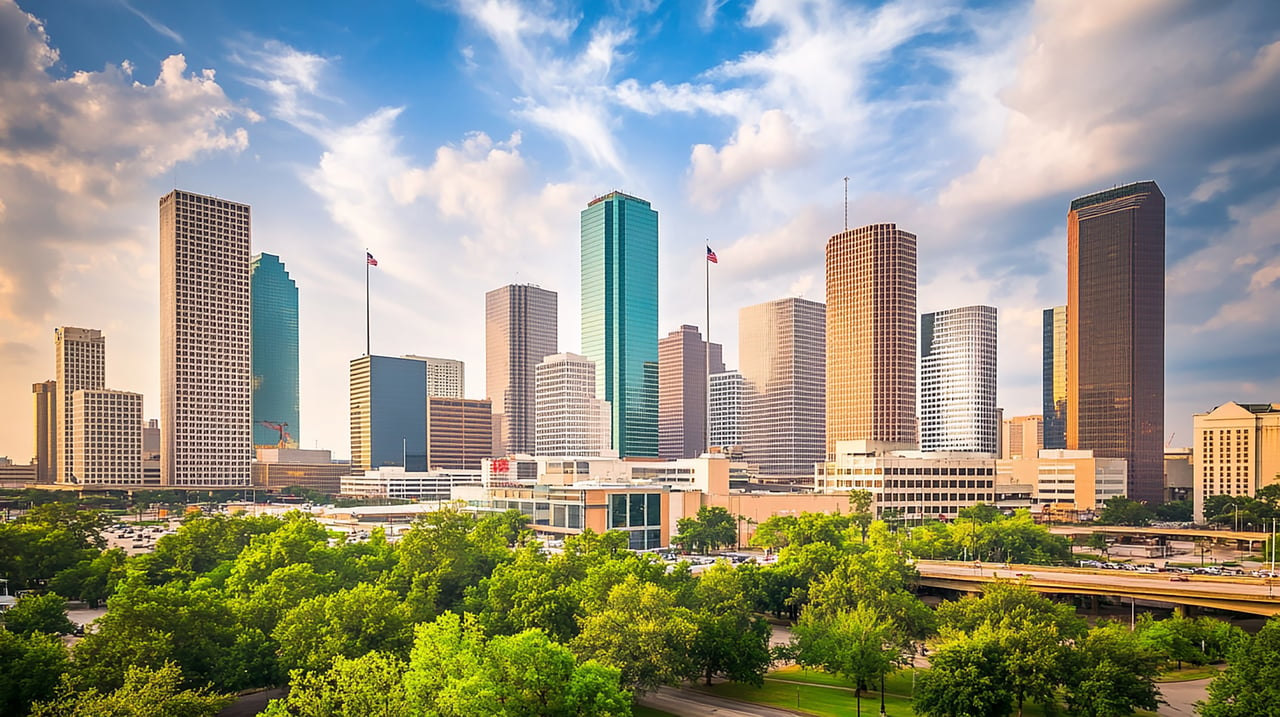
(620, 315)
(273, 337)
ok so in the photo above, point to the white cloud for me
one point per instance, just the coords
(754, 150)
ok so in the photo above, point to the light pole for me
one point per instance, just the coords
(1236, 508)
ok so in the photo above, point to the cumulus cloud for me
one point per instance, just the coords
(69, 146)
(754, 150)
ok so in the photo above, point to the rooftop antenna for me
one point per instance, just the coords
(846, 204)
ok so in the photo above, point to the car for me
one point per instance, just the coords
(1179, 578)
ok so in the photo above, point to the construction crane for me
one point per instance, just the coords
(285, 438)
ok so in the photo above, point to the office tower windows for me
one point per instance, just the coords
(80, 357)
(620, 315)
(958, 381)
(45, 394)
(871, 335)
(682, 392)
(445, 377)
(782, 351)
(520, 330)
(1115, 331)
(205, 392)
(107, 426)
(1054, 403)
(459, 433)
(571, 420)
(273, 322)
(388, 413)
(726, 409)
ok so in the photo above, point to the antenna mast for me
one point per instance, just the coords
(846, 204)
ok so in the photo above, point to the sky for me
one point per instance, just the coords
(458, 141)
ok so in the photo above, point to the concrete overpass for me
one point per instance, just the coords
(1254, 596)
(1243, 537)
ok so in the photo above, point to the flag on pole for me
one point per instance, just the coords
(374, 262)
(711, 256)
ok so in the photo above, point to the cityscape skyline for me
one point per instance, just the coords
(1222, 217)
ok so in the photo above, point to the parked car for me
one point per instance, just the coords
(1179, 578)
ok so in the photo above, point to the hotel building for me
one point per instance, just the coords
(107, 430)
(80, 362)
(1237, 451)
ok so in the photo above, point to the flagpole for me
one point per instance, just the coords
(367, 352)
(706, 350)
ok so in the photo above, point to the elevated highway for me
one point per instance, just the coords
(1254, 596)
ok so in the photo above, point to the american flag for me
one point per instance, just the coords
(374, 262)
(711, 256)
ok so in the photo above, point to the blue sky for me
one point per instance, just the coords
(459, 140)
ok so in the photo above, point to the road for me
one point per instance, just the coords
(1150, 582)
(1182, 697)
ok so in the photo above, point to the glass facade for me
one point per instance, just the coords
(388, 413)
(273, 330)
(1054, 404)
(958, 380)
(520, 330)
(1115, 331)
(620, 315)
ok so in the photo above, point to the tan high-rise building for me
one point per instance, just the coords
(682, 391)
(107, 426)
(571, 420)
(1023, 437)
(205, 394)
(1115, 331)
(1237, 451)
(871, 336)
(446, 377)
(782, 352)
(459, 433)
(80, 363)
(45, 394)
(520, 330)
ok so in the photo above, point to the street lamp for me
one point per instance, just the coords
(1236, 508)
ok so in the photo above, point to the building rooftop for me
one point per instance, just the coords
(1107, 195)
(614, 195)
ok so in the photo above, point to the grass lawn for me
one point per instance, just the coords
(1188, 673)
(642, 711)
(814, 699)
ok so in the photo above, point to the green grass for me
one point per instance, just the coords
(1188, 673)
(812, 699)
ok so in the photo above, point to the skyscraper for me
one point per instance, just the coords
(871, 335)
(620, 315)
(46, 405)
(459, 433)
(1115, 331)
(682, 392)
(571, 420)
(726, 409)
(782, 351)
(445, 377)
(388, 413)
(273, 326)
(108, 434)
(958, 381)
(205, 392)
(1054, 402)
(80, 357)
(1022, 437)
(520, 330)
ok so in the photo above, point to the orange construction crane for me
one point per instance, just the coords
(285, 438)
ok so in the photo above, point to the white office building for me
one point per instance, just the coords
(446, 378)
(80, 363)
(106, 427)
(909, 484)
(726, 409)
(205, 395)
(395, 482)
(569, 419)
(958, 381)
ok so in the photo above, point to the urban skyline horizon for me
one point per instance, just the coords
(731, 148)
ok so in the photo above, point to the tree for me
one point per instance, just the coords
(348, 623)
(639, 630)
(1112, 673)
(39, 613)
(858, 645)
(371, 685)
(1123, 511)
(965, 680)
(33, 666)
(46, 540)
(1251, 683)
(878, 578)
(728, 640)
(1175, 511)
(1006, 602)
(1099, 542)
(713, 528)
(92, 580)
(860, 511)
(145, 693)
(455, 672)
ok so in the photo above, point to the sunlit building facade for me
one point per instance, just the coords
(1115, 331)
(571, 420)
(80, 362)
(388, 413)
(683, 363)
(620, 315)
(958, 381)
(726, 409)
(1054, 399)
(520, 330)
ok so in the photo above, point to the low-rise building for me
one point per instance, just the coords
(1067, 482)
(395, 483)
(908, 483)
(1179, 474)
(279, 468)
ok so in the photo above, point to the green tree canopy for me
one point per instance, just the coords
(39, 613)
(728, 640)
(641, 631)
(371, 685)
(144, 693)
(1124, 511)
(348, 623)
(860, 645)
(33, 665)
(1251, 683)
(1112, 673)
(966, 679)
(713, 528)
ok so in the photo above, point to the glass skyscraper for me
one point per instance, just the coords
(273, 329)
(1055, 378)
(1115, 331)
(388, 413)
(620, 315)
(958, 381)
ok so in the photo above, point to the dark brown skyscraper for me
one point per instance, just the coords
(682, 392)
(1115, 331)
